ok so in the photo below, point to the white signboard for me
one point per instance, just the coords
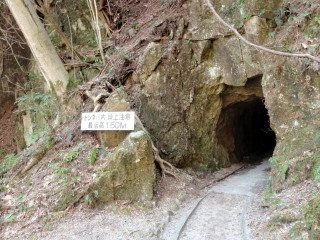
(107, 121)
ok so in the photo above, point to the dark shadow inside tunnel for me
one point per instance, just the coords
(244, 131)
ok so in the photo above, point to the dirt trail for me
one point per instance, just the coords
(221, 215)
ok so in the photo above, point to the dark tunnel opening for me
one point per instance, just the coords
(244, 131)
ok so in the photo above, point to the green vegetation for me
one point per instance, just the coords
(275, 225)
(311, 220)
(65, 181)
(302, 19)
(135, 25)
(92, 156)
(38, 103)
(230, 10)
(88, 200)
(66, 199)
(41, 107)
(59, 170)
(7, 162)
(69, 157)
(10, 217)
(111, 49)
(316, 168)
(284, 170)
(73, 154)
(234, 9)
(2, 153)
(312, 216)
(74, 83)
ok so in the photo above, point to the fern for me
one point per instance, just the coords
(316, 168)
(7, 163)
(69, 157)
(284, 170)
(92, 156)
(38, 103)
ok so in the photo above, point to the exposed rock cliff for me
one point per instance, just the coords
(209, 97)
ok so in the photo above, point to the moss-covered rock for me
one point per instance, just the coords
(182, 98)
(261, 8)
(292, 98)
(129, 174)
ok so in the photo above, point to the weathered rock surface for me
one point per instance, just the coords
(194, 100)
(129, 174)
(256, 29)
(117, 102)
(150, 59)
(185, 94)
(292, 96)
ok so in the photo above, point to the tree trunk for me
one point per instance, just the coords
(41, 47)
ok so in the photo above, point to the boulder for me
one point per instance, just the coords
(129, 174)
(117, 102)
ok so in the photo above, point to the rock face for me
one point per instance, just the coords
(184, 97)
(150, 59)
(256, 29)
(115, 103)
(129, 174)
(292, 95)
(212, 100)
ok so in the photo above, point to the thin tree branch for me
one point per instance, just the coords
(300, 55)
(104, 16)
(95, 25)
(163, 163)
(11, 49)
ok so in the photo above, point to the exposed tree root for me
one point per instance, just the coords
(35, 159)
(166, 167)
(98, 100)
(39, 150)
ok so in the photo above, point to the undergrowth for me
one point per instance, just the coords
(92, 156)
(300, 22)
(42, 107)
(45, 104)
(7, 162)
(309, 227)
(316, 168)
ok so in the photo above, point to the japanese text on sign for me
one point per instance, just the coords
(107, 121)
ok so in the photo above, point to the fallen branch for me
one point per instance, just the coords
(300, 55)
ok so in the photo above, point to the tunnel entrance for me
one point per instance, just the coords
(244, 131)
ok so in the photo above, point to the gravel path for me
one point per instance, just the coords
(221, 213)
